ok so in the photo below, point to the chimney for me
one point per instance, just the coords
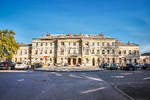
(120, 42)
(80, 34)
(47, 34)
(129, 42)
(42, 35)
(101, 34)
(63, 34)
(69, 34)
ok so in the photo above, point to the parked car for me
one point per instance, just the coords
(78, 64)
(59, 65)
(146, 66)
(36, 65)
(113, 66)
(130, 67)
(7, 65)
(20, 65)
(104, 65)
(65, 64)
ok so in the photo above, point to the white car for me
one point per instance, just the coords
(20, 65)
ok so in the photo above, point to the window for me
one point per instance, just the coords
(45, 44)
(120, 60)
(20, 52)
(30, 51)
(87, 52)
(129, 52)
(108, 44)
(41, 52)
(112, 43)
(93, 43)
(69, 51)
(50, 44)
(62, 51)
(93, 51)
(125, 60)
(119, 52)
(25, 51)
(50, 52)
(41, 44)
(50, 60)
(113, 51)
(45, 51)
(103, 44)
(74, 52)
(134, 52)
(36, 44)
(62, 43)
(103, 51)
(79, 51)
(36, 52)
(124, 51)
(108, 60)
(98, 52)
(69, 43)
(108, 51)
(61, 60)
(74, 43)
(98, 43)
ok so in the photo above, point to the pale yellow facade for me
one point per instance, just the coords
(83, 49)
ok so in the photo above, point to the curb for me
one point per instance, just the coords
(68, 70)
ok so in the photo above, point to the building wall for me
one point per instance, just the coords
(83, 50)
(23, 54)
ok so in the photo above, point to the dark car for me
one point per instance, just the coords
(146, 66)
(7, 65)
(130, 67)
(36, 65)
(113, 66)
(104, 65)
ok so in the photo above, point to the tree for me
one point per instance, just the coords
(8, 44)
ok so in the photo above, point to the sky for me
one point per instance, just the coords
(127, 20)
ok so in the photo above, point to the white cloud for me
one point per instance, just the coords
(145, 48)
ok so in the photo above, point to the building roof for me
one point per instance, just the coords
(126, 44)
(146, 54)
(72, 36)
(25, 44)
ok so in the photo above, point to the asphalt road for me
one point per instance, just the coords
(75, 85)
(136, 84)
(56, 86)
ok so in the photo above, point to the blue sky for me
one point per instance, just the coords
(127, 20)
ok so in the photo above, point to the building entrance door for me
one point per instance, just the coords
(74, 61)
(79, 61)
(69, 61)
(93, 62)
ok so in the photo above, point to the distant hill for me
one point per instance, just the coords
(146, 54)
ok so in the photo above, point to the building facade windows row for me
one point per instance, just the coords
(87, 51)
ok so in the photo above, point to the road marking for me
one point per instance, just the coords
(93, 78)
(146, 78)
(13, 71)
(126, 73)
(74, 76)
(19, 80)
(93, 90)
(117, 76)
